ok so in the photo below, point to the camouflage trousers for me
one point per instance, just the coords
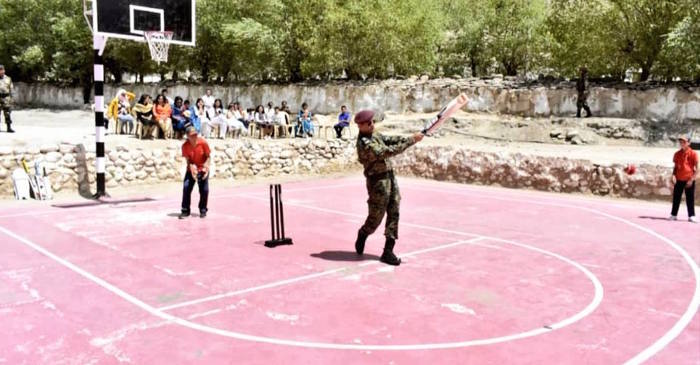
(6, 108)
(384, 198)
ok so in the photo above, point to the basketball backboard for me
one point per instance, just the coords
(130, 19)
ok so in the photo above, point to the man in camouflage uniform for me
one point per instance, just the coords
(582, 90)
(373, 152)
(6, 98)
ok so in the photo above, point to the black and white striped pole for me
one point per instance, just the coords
(99, 42)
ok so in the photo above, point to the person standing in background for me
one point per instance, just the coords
(6, 98)
(685, 172)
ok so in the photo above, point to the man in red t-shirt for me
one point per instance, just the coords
(685, 171)
(197, 153)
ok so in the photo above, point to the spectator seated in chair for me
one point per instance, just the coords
(143, 111)
(178, 118)
(233, 121)
(263, 124)
(218, 118)
(163, 115)
(280, 121)
(200, 113)
(124, 117)
(305, 126)
(343, 121)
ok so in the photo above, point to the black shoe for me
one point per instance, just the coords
(588, 115)
(183, 215)
(202, 215)
(10, 130)
(388, 256)
(390, 259)
(360, 243)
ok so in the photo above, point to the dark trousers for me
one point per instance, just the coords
(582, 103)
(339, 129)
(689, 198)
(187, 192)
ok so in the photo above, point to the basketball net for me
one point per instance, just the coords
(159, 43)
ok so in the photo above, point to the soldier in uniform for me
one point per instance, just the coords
(582, 90)
(6, 98)
(373, 152)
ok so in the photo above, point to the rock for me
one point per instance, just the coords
(49, 148)
(3, 173)
(66, 148)
(556, 133)
(53, 157)
(577, 140)
(571, 134)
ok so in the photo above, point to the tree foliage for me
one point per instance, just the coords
(295, 40)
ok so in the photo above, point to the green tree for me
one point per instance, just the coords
(515, 33)
(463, 41)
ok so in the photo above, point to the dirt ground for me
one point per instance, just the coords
(481, 132)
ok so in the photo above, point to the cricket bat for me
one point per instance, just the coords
(448, 111)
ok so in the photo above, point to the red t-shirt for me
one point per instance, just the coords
(685, 162)
(197, 154)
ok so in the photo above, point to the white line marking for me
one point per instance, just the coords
(598, 296)
(156, 201)
(301, 278)
(639, 358)
(694, 304)
(338, 212)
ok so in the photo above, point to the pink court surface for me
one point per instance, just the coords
(490, 276)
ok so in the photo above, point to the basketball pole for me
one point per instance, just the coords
(98, 42)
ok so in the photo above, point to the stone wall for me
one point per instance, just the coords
(533, 172)
(71, 167)
(421, 95)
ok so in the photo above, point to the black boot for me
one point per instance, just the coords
(360, 242)
(9, 128)
(388, 256)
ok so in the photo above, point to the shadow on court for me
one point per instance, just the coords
(653, 218)
(344, 256)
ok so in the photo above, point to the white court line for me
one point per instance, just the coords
(157, 201)
(641, 357)
(338, 212)
(694, 304)
(305, 277)
(598, 297)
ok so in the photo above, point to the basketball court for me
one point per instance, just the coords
(489, 276)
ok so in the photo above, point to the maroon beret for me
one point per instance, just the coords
(364, 116)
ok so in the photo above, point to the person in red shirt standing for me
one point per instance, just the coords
(685, 172)
(197, 153)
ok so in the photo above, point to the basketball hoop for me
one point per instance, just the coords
(159, 43)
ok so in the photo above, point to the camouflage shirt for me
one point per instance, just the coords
(374, 151)
(6, 85)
